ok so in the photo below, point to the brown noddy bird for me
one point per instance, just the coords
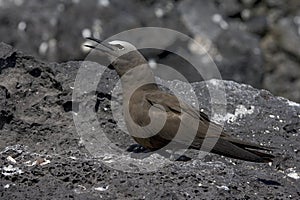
(154, 117)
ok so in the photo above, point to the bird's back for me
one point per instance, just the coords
(192, 125)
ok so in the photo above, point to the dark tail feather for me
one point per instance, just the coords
(267, 157)
(241, 151)
(250, 145)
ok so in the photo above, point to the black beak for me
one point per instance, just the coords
(109, 50)
(99, 42)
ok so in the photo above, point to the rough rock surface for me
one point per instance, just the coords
(43, 157)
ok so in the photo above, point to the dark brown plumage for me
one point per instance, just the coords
(143, 99)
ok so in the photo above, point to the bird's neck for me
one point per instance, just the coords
(141, 77)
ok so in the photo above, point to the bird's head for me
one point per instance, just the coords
(122, 55)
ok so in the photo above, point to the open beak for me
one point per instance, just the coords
(109, 50)
(99, 42)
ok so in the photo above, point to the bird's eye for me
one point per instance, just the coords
(120, 47)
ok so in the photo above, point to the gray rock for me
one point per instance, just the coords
(230, 8)
(6, 50)
(248, 2)
(288, 36)
(281, 68)
(242, 57)
(198, 17)
(7, 57)
(283, 78)
(50, 160)
(257, 25)
(53, 35)
(47, 29)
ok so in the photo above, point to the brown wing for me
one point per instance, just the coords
(225, 144)
(172, 104)
(178, 113)
(175, 108)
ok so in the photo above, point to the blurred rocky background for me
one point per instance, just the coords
(252, 41)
